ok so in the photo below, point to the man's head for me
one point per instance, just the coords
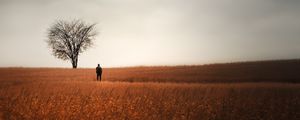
(98, 65)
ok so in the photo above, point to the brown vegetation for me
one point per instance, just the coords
(39, 93)
(269, 71)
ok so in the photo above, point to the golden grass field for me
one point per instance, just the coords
(209, 92)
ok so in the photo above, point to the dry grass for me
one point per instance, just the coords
(43, 93)
(270, 71)
(94, 100)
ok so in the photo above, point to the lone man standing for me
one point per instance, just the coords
(98, 71)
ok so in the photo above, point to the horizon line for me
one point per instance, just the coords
(179, 65)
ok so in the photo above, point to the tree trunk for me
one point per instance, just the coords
(74, 66)
(74, 62)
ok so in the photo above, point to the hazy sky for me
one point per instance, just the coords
(154, 32)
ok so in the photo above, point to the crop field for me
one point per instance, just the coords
(182, 92)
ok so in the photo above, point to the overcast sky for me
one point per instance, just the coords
(154, 32)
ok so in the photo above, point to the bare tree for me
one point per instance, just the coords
(68, 39)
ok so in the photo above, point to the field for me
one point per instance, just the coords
(267, 90)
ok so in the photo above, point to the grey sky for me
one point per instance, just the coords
(154, 32)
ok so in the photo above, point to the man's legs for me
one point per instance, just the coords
(100, 76)
(97, 77)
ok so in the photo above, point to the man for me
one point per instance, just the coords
(98, 71)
